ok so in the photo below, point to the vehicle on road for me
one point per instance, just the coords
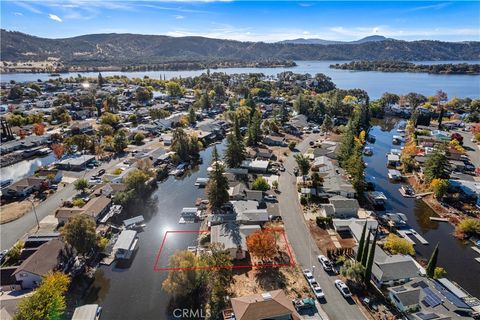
(343, 288)
(275, 217)
(270, 197)
(302, 304)
(317, 290)
(326, 263)
(54, 186)
(308, 275)
(101, 172)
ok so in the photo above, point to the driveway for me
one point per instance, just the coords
(304, 247)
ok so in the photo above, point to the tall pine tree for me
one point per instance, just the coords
(371, 257)
(365, 250)
(361, 243)
(217, 187)
(235, 149)
(432, 263)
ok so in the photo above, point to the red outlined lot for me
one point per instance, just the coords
(157, 268)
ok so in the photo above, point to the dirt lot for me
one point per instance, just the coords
(324, 240)
(290, 279)
(14, 210)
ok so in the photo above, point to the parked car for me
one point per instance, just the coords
(274, 217)
(308, 275)
(326, 264)
(270, 197)
(302, 304)
(3, 254)
(101, 172)
(317, 290)
(408, 190)
(54, 186)
(343, 288)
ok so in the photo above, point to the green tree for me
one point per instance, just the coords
(468, 227)
(327, 124)
(365, 250)
(203, 102)
(235, 149)
(439, 187)
(13, 254)
(371, 257)
(436, 166)
(174, 89)
(217, 186)
(79, 232)
(120, 141)
(143, 94)
(136, 180)
(187, 280)
(139, 138)
(303, 165)
(81, 184)
(101, 81)
(220, 278)
(186, 147)
(47, 302)
(254, 132)
(432, 263)
(192, 117)
(353, 270)
(260, 183)
(110, 119)
(361, 243)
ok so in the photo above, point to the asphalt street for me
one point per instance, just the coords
(304, 247)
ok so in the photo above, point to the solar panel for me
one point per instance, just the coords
(427, 316)
(431, 298)
(451, 297)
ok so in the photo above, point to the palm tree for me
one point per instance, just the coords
(303, 165)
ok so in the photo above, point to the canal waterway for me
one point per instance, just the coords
(25, 168)
(135, 291)
(454, 255)
(374, 82)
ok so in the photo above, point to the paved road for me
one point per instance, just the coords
(305, 249)
(12, 231)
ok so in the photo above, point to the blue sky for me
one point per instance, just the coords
(247, 20)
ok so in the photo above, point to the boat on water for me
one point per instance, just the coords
(394, 175)
(371, 138)
(126, 244)
(368, 151)
(397, 139)
(201, 182)
(179, 170)
(376, 198)
(5, 183)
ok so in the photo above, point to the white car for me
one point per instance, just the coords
(342, 287)
(308, 275)
(317, 290)
(326, 264)
(270, 197)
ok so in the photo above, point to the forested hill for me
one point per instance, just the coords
(127, 49)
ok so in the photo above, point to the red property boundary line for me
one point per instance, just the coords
(272, 265)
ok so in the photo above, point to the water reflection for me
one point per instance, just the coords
(25, 168)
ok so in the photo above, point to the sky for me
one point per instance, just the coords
(267, 21)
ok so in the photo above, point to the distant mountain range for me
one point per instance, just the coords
(326, 42)
(100, 50)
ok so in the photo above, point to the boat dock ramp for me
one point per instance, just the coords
(405, 234)
(440, 219)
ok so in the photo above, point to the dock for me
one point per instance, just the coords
(404, 234)
(419, 237)
(478, 260)
(440, 219)
(476, 249)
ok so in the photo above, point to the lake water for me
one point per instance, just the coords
(375, 83)
(135, 292)
(25, 168)
(454, 255)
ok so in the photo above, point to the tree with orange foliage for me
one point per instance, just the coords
(38, 129)
(58, 150)
(262, 244)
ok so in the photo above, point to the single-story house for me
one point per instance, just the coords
(344, 207)
(53, 175)
(273, 305)
(389, 270)
(126, 244)
(233, 237)
(354, 226)
(24, 187)
(258, 166)
(95, 208)
(336, 183)
(47, 258)
(274, 141)
(75, 164)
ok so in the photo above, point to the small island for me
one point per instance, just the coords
(402, 66)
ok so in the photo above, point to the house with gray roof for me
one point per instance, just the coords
(233, 237)
(392, 269)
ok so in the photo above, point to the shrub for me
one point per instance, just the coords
(78, 202)
(292, 145)
(394, 244)
(260, 184)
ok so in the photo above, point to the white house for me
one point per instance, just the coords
(233, 237)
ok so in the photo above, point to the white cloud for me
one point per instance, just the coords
(179, 17)
(429, 7)
(54, 17)
(28, 7)
(18, 14)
